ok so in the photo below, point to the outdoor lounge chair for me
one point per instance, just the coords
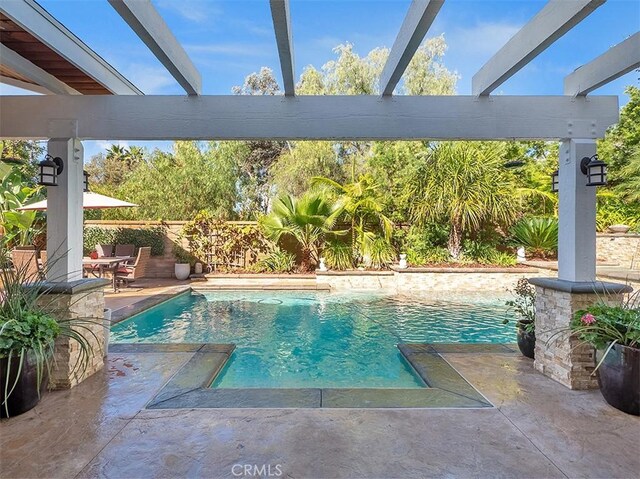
(125, 250)
(104, 250)
(128, 274)
(25, 261)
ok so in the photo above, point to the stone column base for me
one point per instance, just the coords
(82, 299)
(560, 355)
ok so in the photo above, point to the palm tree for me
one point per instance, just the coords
(361, 203)
(306, 219)
(465, 184)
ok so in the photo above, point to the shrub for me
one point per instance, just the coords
(538, 235)
(428, 255)
(486, 253)
(218, 243)
(612, 211)
(425, 244)
(278, 261)
(338, 254)
(380, 253)
(152, 236)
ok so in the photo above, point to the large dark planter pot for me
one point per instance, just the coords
(526, 341)
(619, 378)
(25, 395)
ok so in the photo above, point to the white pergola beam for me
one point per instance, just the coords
(147, 23)
(238, 117)
(415, 26)
(39, 23)
(284, 40)
(614, 63)
(552, 22)
(26, 69)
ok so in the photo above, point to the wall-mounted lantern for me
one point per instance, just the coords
(50, 168)
(85, 181)
(555, 181)
(594, 169)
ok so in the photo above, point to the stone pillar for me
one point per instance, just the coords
(84, 300)
(559, 355)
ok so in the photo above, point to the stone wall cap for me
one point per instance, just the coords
(353, 273)
(69, 287)
(581, 287)
(487, 269)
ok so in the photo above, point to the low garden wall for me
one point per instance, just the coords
(412, 280)
(619, 249)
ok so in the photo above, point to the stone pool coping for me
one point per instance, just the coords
(148, 302)
(190, 386)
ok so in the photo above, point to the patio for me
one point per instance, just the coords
(537, 429)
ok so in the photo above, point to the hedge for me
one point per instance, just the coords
(151, 236)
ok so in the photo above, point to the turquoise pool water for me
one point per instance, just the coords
(315, 339)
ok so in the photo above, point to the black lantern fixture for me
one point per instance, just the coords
(50, 168)
(555, 181)
(592, 167)
(85, 181)
(595, 169)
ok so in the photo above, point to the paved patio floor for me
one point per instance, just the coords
(538, 429)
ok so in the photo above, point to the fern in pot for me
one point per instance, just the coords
(28, 331)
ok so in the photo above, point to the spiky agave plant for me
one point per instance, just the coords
(29, 329)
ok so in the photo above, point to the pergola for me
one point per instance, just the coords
(85, 98)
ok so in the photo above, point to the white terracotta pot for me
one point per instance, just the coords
(182, 270)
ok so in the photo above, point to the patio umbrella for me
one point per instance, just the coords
(90, 201)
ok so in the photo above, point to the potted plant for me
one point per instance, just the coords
(615, 333)
(524, 305)
(28, 332)
(182, 268)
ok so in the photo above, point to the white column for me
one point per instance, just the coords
(64, 213)
(577, 214)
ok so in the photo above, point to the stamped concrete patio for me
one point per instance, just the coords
(537, 429)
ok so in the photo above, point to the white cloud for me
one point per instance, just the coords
(106, 144)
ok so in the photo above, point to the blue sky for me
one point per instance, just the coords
(228, 39)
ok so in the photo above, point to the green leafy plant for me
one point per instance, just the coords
(338, 254)
(277, 261)
(28, 330)
(152, 236)
(307, 220)
(523, 304)
(217, 242)
(538, 235)
(603, 325)
(378, 252)
(20, 227)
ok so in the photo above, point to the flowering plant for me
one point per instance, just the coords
(524, 304)
(603, 325)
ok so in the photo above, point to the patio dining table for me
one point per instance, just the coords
(107, 264)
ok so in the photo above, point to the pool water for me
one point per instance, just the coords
(316, 339)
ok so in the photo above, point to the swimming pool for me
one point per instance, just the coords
(315, 339)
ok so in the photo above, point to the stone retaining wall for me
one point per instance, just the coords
(620, 249)
(89, 307)
(430, 279)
